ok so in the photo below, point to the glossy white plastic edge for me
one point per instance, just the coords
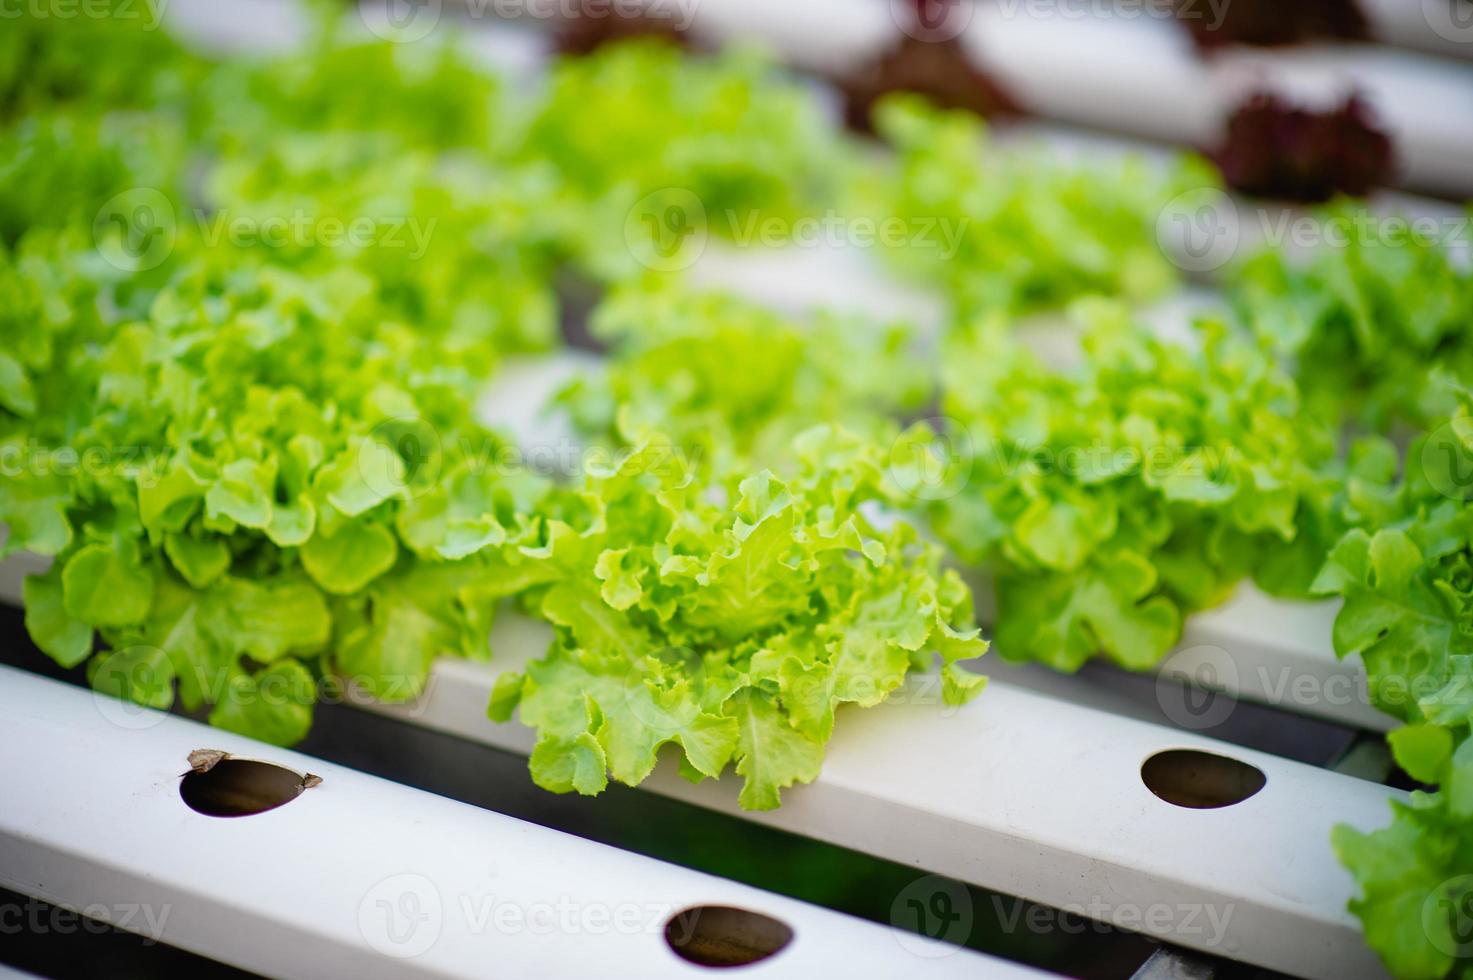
(359, 876)
(1274, 652)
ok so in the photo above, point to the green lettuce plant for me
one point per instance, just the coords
(1109, 498)
(1406, 581)
(252, 477)
(721, 375)
(731, 571)
(1370, 327)
(1034, 232)
(657, 146)
(730, 613)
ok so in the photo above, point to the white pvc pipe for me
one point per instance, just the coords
(1276, 652)
(359, 876)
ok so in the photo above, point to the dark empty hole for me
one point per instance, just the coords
(718, 935)
(240, 787)
(1200, 780)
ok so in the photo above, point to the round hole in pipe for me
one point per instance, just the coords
(1200, 780)
(720, 936)
(240, 787)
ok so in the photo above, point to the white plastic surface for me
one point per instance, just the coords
(360, 877)
(1278, 653)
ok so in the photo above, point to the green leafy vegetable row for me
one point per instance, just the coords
(1034, 231)
(1376, 329)
(1407, 583)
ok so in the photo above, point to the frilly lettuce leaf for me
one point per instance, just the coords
(728, 615)
(1406, 580)
(1415, 876)
(1110, 499)
(1015, 229)
(1371, 326)
(718, 375)
(708, 144)
(110, 56)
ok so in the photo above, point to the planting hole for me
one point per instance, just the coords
(225, 787)
(718, 935)
(1200, 780)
